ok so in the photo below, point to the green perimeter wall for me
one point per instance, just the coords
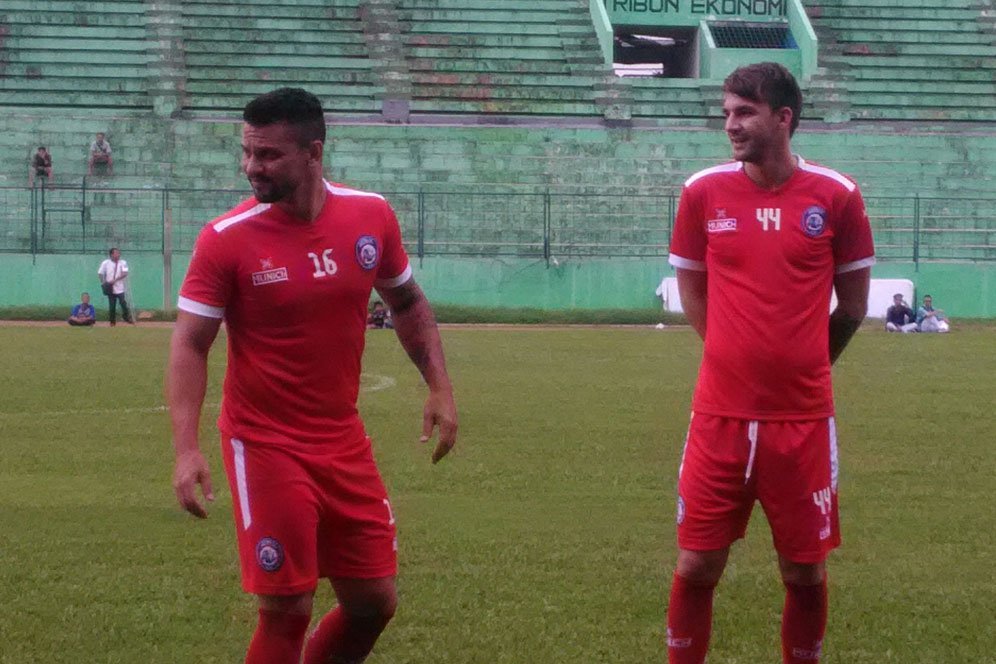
(966, 290)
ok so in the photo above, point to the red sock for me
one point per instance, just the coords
(689, 622)
(278, 638)
(804, 621)
(343, 639)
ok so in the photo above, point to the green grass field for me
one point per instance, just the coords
(546, 538)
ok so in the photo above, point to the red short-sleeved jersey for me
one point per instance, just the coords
(294, 299)
(771, 256)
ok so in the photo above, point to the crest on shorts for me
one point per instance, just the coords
(814, 220)
(269, 554)
(366, 252)
(681, 510)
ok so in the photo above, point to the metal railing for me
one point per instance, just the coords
(546, 223)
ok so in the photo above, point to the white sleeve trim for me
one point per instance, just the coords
(855, 265)
(686, 263)
(396, 281)
(199, 308)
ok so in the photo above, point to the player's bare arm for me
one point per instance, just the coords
(415, 325)
(186, 382)
(692, 291)
(852, 305)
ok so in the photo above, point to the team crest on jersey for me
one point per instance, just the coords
(814, 220)
(366, 252)
(269, 554)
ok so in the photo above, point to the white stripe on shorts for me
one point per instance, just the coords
(684, 449)
(834, 463)
(240, 481)
(752, 437)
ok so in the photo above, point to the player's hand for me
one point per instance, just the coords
(440, 410)
(191, 470)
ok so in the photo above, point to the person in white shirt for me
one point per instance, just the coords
(113, 272)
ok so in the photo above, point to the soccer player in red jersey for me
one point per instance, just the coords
(290, 271)
(758, 244)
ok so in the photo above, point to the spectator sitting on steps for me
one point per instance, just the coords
(100, 153)
(40, 166)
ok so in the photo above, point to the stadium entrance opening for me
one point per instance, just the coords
(655, 52)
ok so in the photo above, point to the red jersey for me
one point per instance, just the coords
(771, 256)
(294, 299)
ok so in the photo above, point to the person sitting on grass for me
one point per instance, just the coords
(930, 319)
(83, 314)
(899, 317)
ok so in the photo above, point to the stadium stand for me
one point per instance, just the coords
(464, 58)
(235, 50)
(910, 60)
(900, 81)
(58, 54)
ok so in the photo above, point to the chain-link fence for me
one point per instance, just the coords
(468, 222)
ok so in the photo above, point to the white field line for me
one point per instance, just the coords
(377, 383)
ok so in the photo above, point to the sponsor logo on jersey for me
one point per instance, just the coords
(269, 554)
(269, 276)
(814, 220)
(366, 252)
(721, 225)
(675, 642)
(265, 263)
(681, 510)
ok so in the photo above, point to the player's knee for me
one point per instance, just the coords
(802, 574)
(702, 568)
(297, 604)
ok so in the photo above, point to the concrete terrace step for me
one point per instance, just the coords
(71, 43)
(463, 40)
(236, 102)
(237, 76)
(484, 78)
(510, 107)
(913, 37)
(266, 12)
(276, 62)
(36, 30)
(878, 112)
(502, 65)
(61, 6)
(908, 13)
(488, 53)
(900, 24)
(483, 28)
(494, 92)
(415, 17)
(192, 47)
(271, 35)
(75, 57)
(67, 84)
(317, 87)
(246, 27)
(952, 74)
(76, 99)
(21, 70)
(38, 19)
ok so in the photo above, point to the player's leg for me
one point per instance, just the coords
(797, 487)
(715, 495)
(357, 551)
(283, 623)
(276, 518)
(346, 635)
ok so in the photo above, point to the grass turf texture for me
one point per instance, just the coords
(445, 313)
(546, 537)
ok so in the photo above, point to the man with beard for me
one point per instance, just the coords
(291, 271)
(758, 244)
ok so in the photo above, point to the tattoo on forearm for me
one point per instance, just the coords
(842, 328)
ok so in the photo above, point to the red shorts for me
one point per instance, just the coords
(302, 513)
(790, 467)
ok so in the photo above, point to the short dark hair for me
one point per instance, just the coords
(897, 295)
(926, 296)
(84, 293)
(42, 147)
(295, 106)
(768, 83)
(112, 250)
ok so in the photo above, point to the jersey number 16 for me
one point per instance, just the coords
(325, 266)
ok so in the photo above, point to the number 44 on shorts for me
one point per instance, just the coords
(824, 500)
